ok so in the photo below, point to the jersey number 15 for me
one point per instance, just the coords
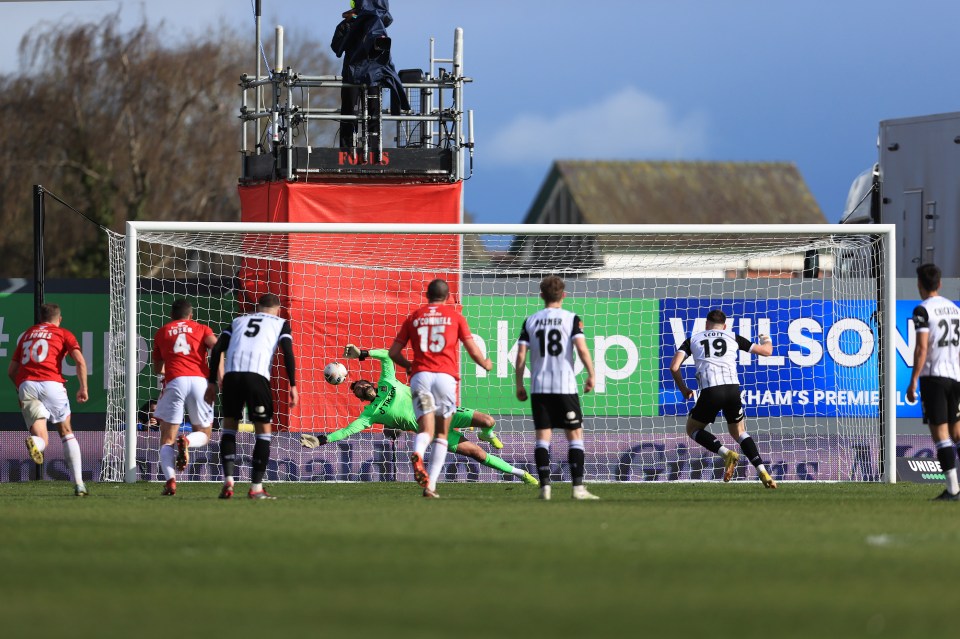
(432, 338)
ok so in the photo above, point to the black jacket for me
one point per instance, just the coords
(365, 47)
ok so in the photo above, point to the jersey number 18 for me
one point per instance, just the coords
(550, 342)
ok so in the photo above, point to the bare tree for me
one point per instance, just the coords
(124, 125)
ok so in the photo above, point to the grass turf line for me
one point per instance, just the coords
(377, 560)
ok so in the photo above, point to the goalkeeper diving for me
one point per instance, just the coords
(390, 405)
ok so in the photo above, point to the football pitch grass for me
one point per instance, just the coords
(377, 560)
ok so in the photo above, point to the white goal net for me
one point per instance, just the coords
(818, 407)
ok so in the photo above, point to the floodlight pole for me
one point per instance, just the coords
(259, 101)
(39, 214)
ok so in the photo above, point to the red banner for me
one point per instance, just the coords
(346, 288)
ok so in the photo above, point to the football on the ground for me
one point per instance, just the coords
(335, 372)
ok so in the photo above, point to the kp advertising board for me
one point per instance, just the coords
(824, 362)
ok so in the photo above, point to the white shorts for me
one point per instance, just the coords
(433, 392)
(180, 393)
(43, 400)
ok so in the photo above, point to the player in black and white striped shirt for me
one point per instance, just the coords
(551, 336)
(714, 351)
(936, 366)
(249, 345)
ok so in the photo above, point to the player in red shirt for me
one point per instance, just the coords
(36, 372)
(180, 356)
(434, 331)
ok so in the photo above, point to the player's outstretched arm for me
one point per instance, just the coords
(13, 369)
(77, 356)
(919, 359)
(396, 354)
(216, 354)
(519, 368)
(387, 370)
(765, 346)
(477, 355)
(675, 364)
(290, 364)
(360, 424)
(580, 344)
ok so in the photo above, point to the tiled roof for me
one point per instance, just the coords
(634, 192)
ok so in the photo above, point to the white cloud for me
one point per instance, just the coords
(629, 124)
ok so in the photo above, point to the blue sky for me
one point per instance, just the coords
(723, 80)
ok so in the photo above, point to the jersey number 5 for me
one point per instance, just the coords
(253, 327)
(431, 338)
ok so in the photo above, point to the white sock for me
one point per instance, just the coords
(420, 443)
(516, 471)
(71, 450)
(256, 488)
(952, 486)
(438, 457)
(41, 445)
(167, 456)
(196, 440)
(761, 469)
(723, 451)
(228, 481)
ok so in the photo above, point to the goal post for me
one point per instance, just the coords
(821, 407)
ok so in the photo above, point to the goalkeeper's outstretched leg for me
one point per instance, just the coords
(471, 450)
(485, 424)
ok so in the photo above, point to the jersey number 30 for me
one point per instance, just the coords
(35, 350)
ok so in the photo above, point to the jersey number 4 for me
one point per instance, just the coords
(181, 345)
(432, 338)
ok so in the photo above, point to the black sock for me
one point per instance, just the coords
(575, 456)
(228, 452)
(947, 456)
(749, 448)
(261, 456)
(542, 458)
(707, 440)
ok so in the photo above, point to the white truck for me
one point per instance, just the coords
(916, 186)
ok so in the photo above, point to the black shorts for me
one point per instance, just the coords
(711, 401)
(251, 389)
(940, 399)
(552, 410)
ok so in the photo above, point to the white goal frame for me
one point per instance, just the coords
(887, 293)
